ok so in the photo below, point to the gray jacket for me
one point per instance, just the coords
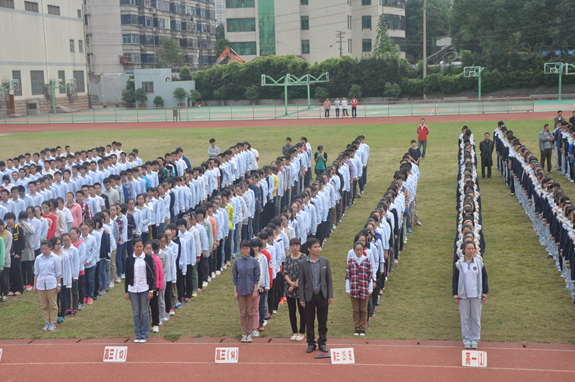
(305, 279)
(543, 142)
(29, 231)
(459, 283)
(7, 247)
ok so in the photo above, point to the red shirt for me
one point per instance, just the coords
(269, 257)
(353, 103)
(422, 132)
(52, 225)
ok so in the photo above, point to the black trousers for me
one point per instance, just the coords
(273, 301)
(27, 272)
(354, 112)
(16, 276)
(189, 285)
(5, 281)
(81, 292)
(154, 307)
(546, 157)
(319, 303)
(486, 163)
(293, 305)
(180, 285)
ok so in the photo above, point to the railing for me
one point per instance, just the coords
(263, 112)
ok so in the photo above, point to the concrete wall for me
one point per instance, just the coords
(105, 36)
(106, 88)
(163, 88)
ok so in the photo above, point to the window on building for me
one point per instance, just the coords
(349, 22)
(62, 80)
(366, 45)
(131, 2)
(17, 75)
(365, 2)
(395, 22)
(130, 38)
(240, 3)
(129, 19)
(148, 87)
(245, 48)
(147, 58)
(72, 46)
(87, 39)
(304, 2)
(159, 23)
(349, 46)
(80, 46)
(53, 10)
(241, 25)
(37, 81)
(31, 6)
(365, 22)
(79, 13)
(393, 3)
(79, 77)
(146, 21)
(304, 46)
(305, 23)
(7, 4)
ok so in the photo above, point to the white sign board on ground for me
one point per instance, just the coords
(0, 355)
(342, 356)
(227, 355)
(473, 358)
(115, 353)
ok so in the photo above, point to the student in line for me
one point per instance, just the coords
(66, 269)
(139, 287)
(47, 283)
(291, 275)
(470, 292)
(263, 283)
(246, 275)
(359, 286)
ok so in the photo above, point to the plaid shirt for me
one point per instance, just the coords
(359, 276)
(85, 211)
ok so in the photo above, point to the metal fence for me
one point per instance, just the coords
(268, 112)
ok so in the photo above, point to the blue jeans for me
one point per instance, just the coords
(89, 281)
(424, 144)
(141, 311)
(104, 274)
(121, 259)
(160, 228)
(262, 307)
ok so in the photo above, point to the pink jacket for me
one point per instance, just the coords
(159, 272)
(76, 211)
(327, 105)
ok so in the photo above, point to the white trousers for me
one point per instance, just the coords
(470, 311)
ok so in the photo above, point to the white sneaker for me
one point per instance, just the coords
(218, 273)
(123, 278)
(111, 285)
(244, 338)
(143, 341)
(265, 322)
(300, 337)
(467, 346)
(274, 312)
(156, 329)
(209, 279)
(213, 274)
(395, 261)
(137, 341)
(118, 280)
(249, 338)
(255, 333)
(204, 284)
(294, 337)
(474, 345)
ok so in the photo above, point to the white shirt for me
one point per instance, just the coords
(255, 160)
(140, 279)
(470, 278)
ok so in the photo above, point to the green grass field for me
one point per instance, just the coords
(527, 302)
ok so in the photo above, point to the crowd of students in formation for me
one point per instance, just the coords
(75, 224)
(549, 209)
(469, 283)
(378, 245)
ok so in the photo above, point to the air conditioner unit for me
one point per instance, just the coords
(47, 91)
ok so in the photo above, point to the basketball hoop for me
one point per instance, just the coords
(471, 74)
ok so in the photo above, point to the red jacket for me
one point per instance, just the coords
(269, 257)
(353, 103)
(422, 132)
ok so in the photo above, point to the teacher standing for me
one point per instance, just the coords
(315, 293)
(470, 292)
(246, 275)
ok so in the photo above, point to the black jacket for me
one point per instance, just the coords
(150, 272)
(306, 283)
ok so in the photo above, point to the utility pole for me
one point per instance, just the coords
(339, 35)
(424, 42)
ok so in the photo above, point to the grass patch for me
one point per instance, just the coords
(528, 300)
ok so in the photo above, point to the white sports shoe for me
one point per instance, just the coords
(111, 284)
(156, 329)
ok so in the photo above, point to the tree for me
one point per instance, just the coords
(221, 42)
(223, 92)
(180, 94)
(355, 91)
(321, 92)
(158, 100)
(252, 93)
(384, 45)
(185, 74)
(129, 93)
(140, 95)
(437, 25)
(195, 95)
(391, 90)
(169, 54)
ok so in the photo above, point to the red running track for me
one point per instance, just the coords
(281, 360)
(40, 127)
